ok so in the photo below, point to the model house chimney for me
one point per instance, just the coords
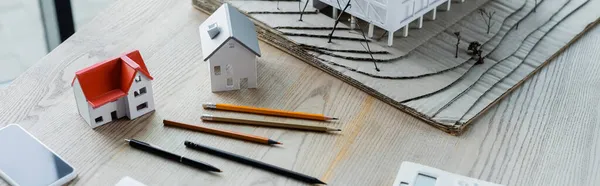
(213, 30)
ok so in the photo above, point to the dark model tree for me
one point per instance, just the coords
(304, 9)
(368, 48)
(457, 34)
(473, 47)
(338, 20)
(479, 57)
(487, 18)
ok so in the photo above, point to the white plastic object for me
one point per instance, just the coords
(413, 174)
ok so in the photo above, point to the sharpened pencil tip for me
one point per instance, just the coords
(273, 142)
(317, 181)
(127, 140)
(214, 169)
(330, 118)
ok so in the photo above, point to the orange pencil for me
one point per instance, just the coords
(231, 134)
(266, 111)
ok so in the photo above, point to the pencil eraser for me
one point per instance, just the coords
(209, 106)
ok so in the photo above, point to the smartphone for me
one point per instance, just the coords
(25, 161)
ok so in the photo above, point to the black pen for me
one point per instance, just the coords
(254, 163)
(143, 146)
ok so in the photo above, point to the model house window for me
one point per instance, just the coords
(230, 82)
(243, 82)
(98, 119)
(142, 91)
(138, 79)
(228, 69)
(142, 106)
(217, 70)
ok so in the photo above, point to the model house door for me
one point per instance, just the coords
(113, 115)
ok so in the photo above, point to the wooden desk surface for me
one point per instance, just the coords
(545, 133)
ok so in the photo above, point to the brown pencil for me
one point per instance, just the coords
(206, 117)
(267, 111)
(231, 134)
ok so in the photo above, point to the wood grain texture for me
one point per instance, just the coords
(546, 132)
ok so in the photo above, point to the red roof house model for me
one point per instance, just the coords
(113, 89)
(110, 80)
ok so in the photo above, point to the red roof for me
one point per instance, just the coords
(110, 80)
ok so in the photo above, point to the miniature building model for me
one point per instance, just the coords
(390, 15)
(230, 46)
(114, 89)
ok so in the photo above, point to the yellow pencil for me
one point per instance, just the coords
(267, 111)
(206, 117)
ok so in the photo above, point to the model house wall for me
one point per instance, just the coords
(82, 104)
(104, 114)
(230, 46)
(390, 15)
(144, 101)
(232, 72)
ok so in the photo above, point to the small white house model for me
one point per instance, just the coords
(390, 15)
(113, 89)
(230, 46)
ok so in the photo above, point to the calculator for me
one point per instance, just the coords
(413, 174)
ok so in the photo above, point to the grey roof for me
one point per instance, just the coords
(233, 25)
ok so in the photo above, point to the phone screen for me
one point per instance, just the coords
(26, 161)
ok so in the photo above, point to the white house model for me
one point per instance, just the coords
(113, 89)
(390, 15)
(230, 46)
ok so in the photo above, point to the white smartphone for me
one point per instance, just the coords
(25, 161)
